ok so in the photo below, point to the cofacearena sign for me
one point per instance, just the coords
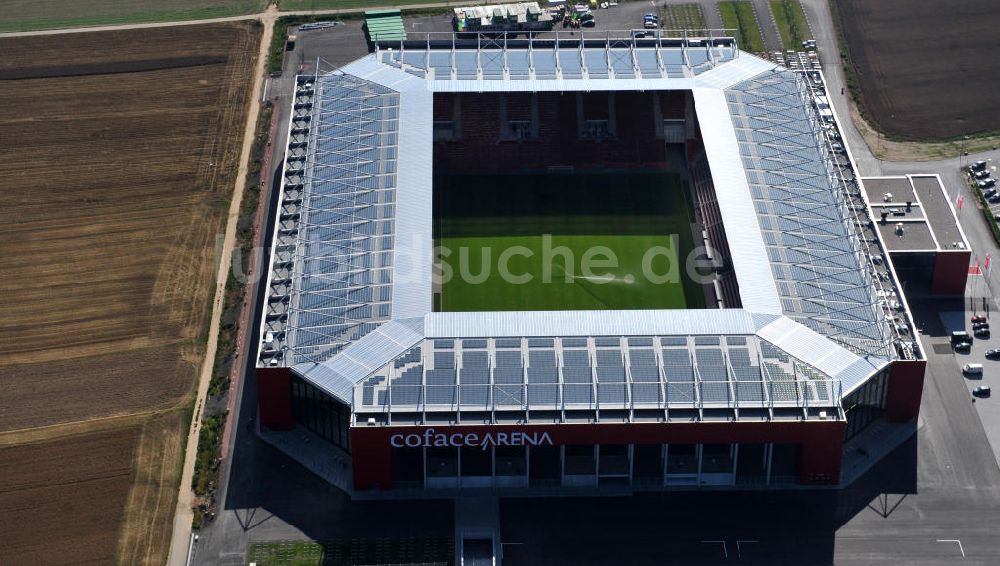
(430, 439)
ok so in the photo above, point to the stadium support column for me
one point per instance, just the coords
(274, 397)
(822, 453)
(371, 457)
(906, 385)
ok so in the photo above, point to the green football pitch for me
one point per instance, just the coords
(615, 241)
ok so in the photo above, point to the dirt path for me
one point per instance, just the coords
(182, 520)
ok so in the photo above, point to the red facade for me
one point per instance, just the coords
(821, 441)
(274, 397)
(906, 386)
(951, 270)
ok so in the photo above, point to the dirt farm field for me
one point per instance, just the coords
(23, 15)
(117, 169)
(927, 69)
(51, 513)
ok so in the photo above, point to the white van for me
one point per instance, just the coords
(973, 369)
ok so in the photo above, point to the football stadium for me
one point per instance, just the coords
(565, 264)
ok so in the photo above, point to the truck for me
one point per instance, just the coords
(521, 17)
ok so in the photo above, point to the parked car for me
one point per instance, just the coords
(977, 318)
(993, 199)
(990, 192)
(986, 183)
(973, 369)
(963, 347)
(981, 174)
(959, 337)
(982, 391)
(993, 353)
(982, 332)
(977, 165)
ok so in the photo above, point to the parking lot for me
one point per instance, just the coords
(988, 406)
(982, 177)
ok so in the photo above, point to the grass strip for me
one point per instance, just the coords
(740, 17)
(791, 23)
(215, 413)
(677, 17)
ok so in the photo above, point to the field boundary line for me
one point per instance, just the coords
(74, 428)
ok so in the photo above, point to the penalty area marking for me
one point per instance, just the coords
(960, 549)
(739, 550)
(601, 279)
(725, 552)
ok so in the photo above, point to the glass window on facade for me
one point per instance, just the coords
(407, 467)
(320, 413)
(785, 463)
(511, 461)
(476, 461)
(717, 459)
(751, 464)
(682, 459)
(613, 460)
(647, 464)
(580, 460)
(544, 466)
(866, 404)
(442, 462)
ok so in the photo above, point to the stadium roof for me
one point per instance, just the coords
(385, 25)
(357, 269)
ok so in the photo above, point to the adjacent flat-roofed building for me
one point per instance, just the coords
(795, 347)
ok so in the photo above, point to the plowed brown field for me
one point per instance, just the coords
(118, 154)
(927, 69)
(67, 493)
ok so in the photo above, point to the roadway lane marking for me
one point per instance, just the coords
(722, 542)
(960, 549)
